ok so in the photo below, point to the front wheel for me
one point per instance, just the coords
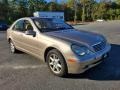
(12, 48)
(56, 63)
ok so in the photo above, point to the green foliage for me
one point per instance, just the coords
(3, 10)
(70, 3)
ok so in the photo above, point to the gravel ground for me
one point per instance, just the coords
(24, 72)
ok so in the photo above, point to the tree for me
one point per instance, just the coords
(22, 8)
(70, 3)
(84, 4)
(4, 7)
(36, 5)
(84, 10)
(73, 4)
(53, 6)
(118, 2)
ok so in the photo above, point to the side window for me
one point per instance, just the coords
(28, 25)
(19, 26)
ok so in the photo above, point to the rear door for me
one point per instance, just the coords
(17, 32)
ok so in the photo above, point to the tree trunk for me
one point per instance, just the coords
(75, 14)
(83, 13)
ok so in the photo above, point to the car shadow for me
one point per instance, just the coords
(107, 70)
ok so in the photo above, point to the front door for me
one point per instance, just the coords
(30, 42)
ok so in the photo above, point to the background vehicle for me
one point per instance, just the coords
(3, 25)
(55, 15)
(63, 48)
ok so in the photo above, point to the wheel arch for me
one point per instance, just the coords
(49, 49)
(9, 39)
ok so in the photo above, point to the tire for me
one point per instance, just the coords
(12, 47)
(56, 63)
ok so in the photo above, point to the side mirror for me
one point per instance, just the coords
(30, 32)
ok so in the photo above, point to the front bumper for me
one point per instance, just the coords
(89, 62)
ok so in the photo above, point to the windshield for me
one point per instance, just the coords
(48, 25)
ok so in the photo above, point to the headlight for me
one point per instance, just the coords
(80, 50)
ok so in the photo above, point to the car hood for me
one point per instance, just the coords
(77, 36)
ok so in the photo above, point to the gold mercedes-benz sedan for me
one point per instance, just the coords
(63, 48)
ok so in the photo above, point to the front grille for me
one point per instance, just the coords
(99, 46)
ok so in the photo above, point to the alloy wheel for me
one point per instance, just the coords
(12, 47)
(55, 64)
